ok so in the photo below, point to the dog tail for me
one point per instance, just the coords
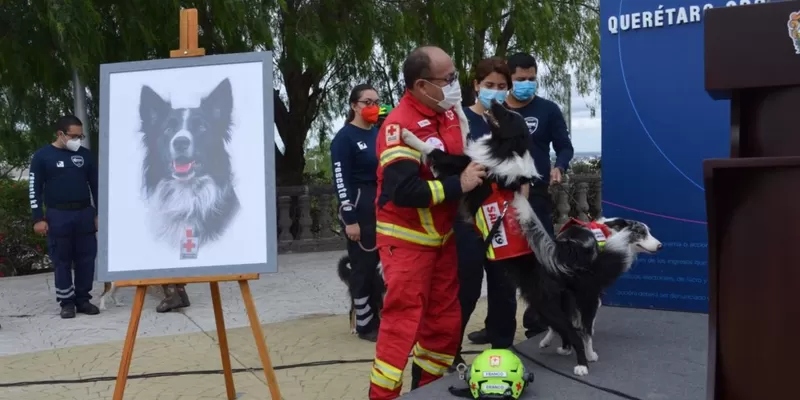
(343, 269)
(543, 246)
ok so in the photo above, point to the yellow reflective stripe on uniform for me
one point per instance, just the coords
(394, 374)
(399, 153)
(377, 378)
(426, 220)
(434, 363)
(430, 367)
(483, 226)
(409, 235)
(438, 357)
(437, 192)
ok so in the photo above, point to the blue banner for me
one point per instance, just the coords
(658, 125)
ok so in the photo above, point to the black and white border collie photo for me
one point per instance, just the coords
(564, 278)
(186, 172)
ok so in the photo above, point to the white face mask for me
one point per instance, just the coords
(72, 144)
(452, 96)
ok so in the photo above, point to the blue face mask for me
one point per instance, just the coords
(524, 90)
(485, 96)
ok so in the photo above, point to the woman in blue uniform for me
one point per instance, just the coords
(492, 81)
(354, 177)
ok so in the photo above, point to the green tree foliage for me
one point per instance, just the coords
(21, 250)
(321, 48)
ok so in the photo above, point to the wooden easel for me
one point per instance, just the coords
(188, 48)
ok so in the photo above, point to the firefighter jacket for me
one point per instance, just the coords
(414, 208)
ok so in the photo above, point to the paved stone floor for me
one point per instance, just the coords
(303, 308)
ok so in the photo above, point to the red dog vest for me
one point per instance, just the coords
(601, 232)
(508, 241)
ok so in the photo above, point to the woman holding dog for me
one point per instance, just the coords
(354, 176)
(492, 82)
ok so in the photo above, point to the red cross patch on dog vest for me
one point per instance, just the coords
(601, 232)
(508, 241)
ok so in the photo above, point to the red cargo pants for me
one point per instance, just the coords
(420, 313)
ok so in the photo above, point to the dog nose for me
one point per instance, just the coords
(659, 246)
(181, 143)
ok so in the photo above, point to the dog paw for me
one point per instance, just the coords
(563, 351)
(119, 304)
(102, 305)
(591, 356)
(544, 343)
(581, 370)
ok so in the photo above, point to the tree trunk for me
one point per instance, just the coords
(290, 166)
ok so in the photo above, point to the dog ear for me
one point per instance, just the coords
(615, 224)
(219, 103)
(152, 108)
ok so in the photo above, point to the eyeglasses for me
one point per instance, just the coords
(370, 102)
(74, 136)
(449, 79)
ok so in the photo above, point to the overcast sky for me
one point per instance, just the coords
(585, 128)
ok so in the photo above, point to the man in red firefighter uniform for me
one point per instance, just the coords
(415, 215)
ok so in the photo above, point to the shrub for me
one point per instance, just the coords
(22, 252)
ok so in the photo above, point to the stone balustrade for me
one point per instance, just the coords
(308, 220)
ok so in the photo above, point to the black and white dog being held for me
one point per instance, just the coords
(564, 278)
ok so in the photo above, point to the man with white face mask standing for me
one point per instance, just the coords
(63, 174)
(415, 216)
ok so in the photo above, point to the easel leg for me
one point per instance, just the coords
(261, 343)
(130, 340)
(223, 341)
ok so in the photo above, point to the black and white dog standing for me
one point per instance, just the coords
(187, 173)
(564, 278)
(344, 269)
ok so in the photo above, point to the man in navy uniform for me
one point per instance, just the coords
(63, 180)
(546, 126)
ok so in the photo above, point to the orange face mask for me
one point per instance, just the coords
(370, 114)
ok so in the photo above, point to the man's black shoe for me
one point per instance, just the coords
(87, 308)
(68, 311)
(371, 336)
(478, 337)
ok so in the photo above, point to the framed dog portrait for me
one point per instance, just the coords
(187, 167)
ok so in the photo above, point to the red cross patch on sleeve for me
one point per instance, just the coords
(392, 134)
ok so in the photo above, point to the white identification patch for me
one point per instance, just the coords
(533, 124)
(491, 212)
(423, 123)
(77, 160)
(435, 142)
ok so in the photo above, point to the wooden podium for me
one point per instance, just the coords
(753, 203)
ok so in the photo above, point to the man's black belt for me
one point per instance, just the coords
(73, 205)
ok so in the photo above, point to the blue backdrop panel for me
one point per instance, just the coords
(658, 125)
